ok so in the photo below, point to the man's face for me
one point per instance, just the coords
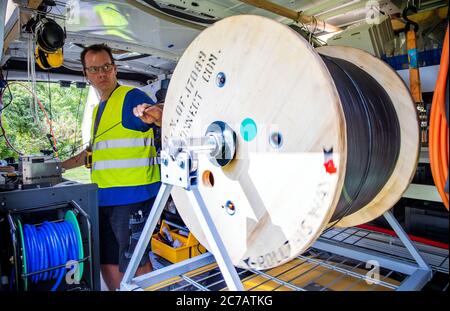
(102, 80)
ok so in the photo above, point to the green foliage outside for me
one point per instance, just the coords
(28, 135)
(80, 174)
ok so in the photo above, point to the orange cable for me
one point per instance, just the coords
(438, 134)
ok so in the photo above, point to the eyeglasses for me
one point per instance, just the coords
(96, 69)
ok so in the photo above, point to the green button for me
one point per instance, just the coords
(248, 129)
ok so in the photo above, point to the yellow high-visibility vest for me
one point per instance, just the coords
(121, 157)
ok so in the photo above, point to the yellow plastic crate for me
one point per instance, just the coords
(190, 248)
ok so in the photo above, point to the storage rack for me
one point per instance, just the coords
(315, 270)
(82, 199)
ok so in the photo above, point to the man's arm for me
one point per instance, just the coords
(75, 161)
(133, 115)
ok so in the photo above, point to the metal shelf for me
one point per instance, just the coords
(318, 269)
(422, 192)
(436, 258)
(314, 271)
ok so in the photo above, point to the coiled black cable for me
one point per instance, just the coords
(373, 135)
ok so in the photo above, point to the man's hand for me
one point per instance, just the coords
(148, 114)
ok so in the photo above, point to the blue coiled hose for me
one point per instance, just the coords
(49, 245)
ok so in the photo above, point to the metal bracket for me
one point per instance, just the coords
(176, 171)
(418, 274)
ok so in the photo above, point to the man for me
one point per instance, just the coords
(124, 162)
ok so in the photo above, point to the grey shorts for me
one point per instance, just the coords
(120, 229)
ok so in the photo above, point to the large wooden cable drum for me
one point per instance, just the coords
(286, 184)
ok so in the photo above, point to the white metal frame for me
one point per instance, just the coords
(177, 171)
(416, 273)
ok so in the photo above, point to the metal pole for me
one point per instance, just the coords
(405, 240)
(291, 14)
(207, 144)
(214, 240)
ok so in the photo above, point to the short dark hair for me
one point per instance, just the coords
(96, 48)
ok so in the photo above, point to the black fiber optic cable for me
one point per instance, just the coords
(373, 135)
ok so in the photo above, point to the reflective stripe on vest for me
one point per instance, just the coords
(107, 164)
(124, 143)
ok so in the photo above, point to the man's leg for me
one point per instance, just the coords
(147, 267)
(109, 249)
(112, 276)
(137, 217)
(117, 226)
(144, 269)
